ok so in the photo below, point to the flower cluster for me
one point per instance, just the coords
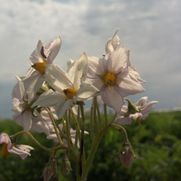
(51, 100)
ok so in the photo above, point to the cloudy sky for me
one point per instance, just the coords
(150, 29)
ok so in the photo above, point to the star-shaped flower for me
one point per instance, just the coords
(113, 75)
(135, 112)
(24, 114)
(68, 87)
(41, 58)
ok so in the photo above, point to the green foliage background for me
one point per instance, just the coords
(157, 143)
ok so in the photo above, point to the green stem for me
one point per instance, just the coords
(82, 139)
(17, 134)
(97, 139)
(94, 115)
(77, 128)
(121, 128)
(33, 138)
(67, 126)
(91, 127)
(98, 111)
(55, 127)
(105, 113)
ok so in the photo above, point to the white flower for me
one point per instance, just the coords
(112, 76)
(41, 58)
(136, 112)
(68, 87)
(45, 54)
(22, 150)
(23, 113)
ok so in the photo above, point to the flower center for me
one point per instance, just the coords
(40, 66)
(109, 79)
(70, 92)
(4, 150)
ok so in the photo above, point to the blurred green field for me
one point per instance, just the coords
(157, 143)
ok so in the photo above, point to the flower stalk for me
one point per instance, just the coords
(33, 138)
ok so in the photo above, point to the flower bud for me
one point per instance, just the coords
(66, 166)
(126, 156)
(49, 172)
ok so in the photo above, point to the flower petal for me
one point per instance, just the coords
(19, 90)
(135, 75)
(109, 47)
(113, 43)
(52, 49)
(118, 60)
(77, 70)
(25, 147)
(111, 97)
(25, 120)
(17, 105)
(36, 54)
(93, 63)
(41, 126)
(4, 138)
(142, 101)
(22, 150)
(32, 84)
(86, 91)
(49, 98)
(53, 137)
(128, 86)
(57, 78)
(96, 82)
(136, 116)
(103, 66)
(65, 106)
(148, 108)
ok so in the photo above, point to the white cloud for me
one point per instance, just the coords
(151, 29)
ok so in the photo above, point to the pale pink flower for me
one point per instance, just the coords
(135, 112)
(68, 87)
(113, 78)
(41, 58)
(24, 115)
(22, 150)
